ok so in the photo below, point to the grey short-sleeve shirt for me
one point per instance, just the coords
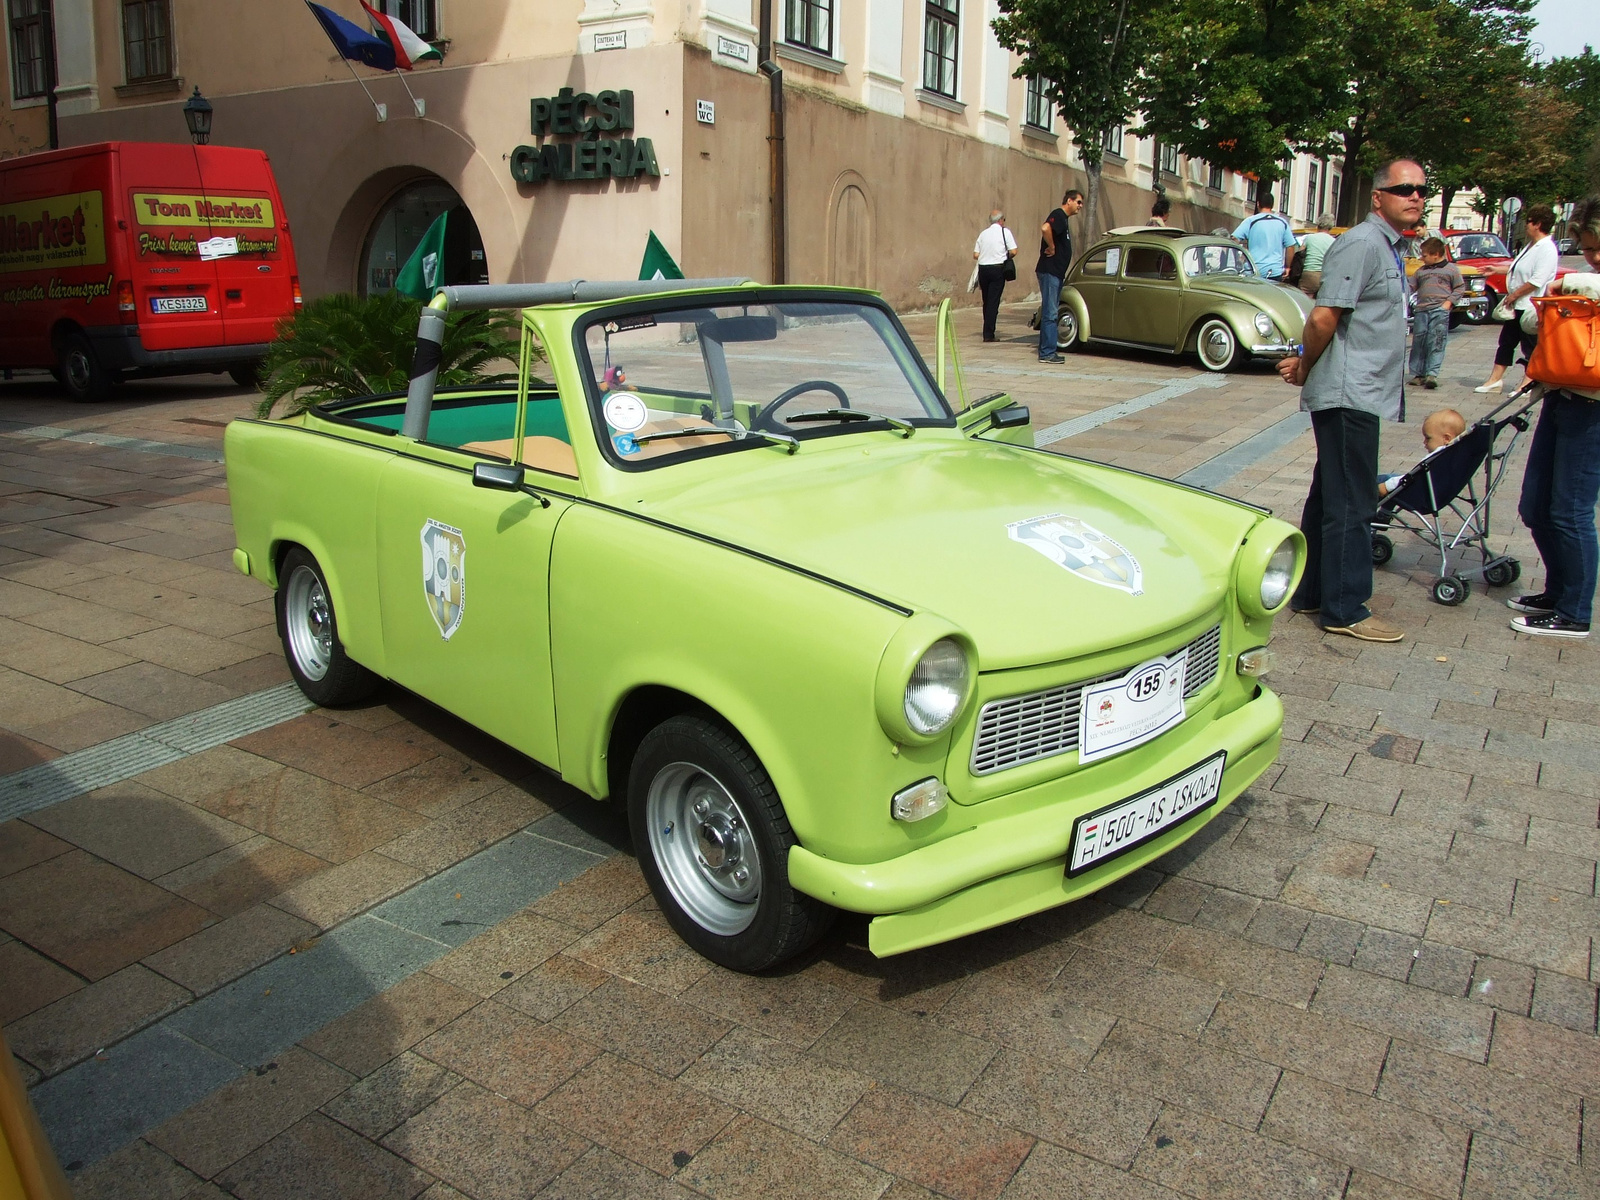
(1364, 365)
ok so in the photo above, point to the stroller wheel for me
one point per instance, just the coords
(1503, 572)
(1450, 590)
(1382, 549)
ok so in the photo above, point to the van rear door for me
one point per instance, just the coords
(256, 270)
(176, 293)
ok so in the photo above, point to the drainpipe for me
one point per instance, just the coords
(777, 191)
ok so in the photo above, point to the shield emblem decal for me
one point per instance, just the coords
(1082, 549)
(444, 575)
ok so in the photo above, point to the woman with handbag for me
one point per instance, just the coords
(1531, 272)
(996, 252)
(1561, 482)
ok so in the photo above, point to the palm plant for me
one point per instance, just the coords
(342, 345)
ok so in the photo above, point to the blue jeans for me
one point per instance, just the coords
(1049, 312)
(1559, 490)
(1429, 329)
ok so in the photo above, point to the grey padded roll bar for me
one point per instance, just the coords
(466, 297)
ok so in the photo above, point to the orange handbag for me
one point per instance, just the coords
(1567, 354)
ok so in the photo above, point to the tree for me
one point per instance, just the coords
(342, 345)
(1577, 80)
(1089, 52)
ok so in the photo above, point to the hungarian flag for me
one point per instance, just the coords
(657, 262)
(352, 41)
(408, 48)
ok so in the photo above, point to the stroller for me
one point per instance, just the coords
(1443, 490)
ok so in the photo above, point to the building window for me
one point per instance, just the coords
(419, 16)
(1169, 159)
(941, 40)
(810, 24)
(30, 48)
(1333, 193)
(1311, 193)
(1214, 182)
(147, 39)
(1112, 142)
(1039, 112)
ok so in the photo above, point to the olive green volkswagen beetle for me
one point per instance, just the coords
(1163, 289)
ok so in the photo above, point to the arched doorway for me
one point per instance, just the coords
(850, 233)
(400, 226)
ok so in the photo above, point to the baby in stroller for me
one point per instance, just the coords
(1443, 489)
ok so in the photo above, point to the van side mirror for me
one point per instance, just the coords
(1011, 417)
(503, 477)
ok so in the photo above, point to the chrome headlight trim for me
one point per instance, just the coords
(1263, 324)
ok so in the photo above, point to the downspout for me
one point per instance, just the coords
(54, 129)
(777, 193)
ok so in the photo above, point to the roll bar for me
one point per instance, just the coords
(471, 297)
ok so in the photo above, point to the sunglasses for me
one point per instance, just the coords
(1407, 189)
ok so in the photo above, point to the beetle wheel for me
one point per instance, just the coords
(310, 634)
(1217, 345)
(1067, 332)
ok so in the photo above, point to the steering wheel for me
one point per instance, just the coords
(764, 420)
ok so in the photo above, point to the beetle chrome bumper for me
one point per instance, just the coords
(1006, 868)
(1280, 349)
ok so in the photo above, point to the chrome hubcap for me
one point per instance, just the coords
(703, 846)
(309, 623)
(1217, 345)
(1067, 330)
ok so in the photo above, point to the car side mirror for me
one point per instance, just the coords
(503, 477)
(1010, 418)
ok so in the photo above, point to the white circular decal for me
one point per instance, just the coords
(625, 412)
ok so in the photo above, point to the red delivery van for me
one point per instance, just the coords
(141, 258)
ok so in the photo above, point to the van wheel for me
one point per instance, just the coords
(310, 633)
(713, 843)
(247, 375)
(80, 371)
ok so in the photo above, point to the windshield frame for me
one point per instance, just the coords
(1202, 245)
(740, 298)
(1454, 240)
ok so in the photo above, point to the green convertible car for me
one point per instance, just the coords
(743, 567)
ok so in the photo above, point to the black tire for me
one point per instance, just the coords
(309, 630)
(1502, 573)
(246, 375)
(692, 765)
(1450, 590)
(1218, 346)
(80, 371)
(1382, 549)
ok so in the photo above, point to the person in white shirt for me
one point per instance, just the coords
(1531, 273)
(994, 251)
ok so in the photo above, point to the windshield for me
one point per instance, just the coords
(742, 373)
(1478, 245)
(1216, 258)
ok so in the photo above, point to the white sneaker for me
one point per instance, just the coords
(1490, 387)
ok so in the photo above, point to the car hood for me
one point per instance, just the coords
(1288, 306)
(945, 525)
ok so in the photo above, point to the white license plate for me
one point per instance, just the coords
(1122, 826)
(177, 304)
(1120, 714)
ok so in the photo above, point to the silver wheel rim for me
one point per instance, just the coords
(1216, 345)
(703, 846)
(309, 623)
(1066, 330)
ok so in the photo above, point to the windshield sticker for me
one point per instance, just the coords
(625, 412)
(1082, 549)
(626, 443)
(623, 324)
(444, 575)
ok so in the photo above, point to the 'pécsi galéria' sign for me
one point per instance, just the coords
(593, 155)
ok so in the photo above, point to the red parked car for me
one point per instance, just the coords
(141, 258)
(1477, 248)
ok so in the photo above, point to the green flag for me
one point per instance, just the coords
(424, 270)
(657, 262)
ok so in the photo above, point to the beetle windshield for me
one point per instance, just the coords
(1478, 245)
(1216, 258)
(675, 381)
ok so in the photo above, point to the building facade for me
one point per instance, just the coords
(567, 130)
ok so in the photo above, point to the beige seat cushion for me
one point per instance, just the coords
(540, 453)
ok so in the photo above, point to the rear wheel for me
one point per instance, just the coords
(1217, 345)
(1382, 549)
(80, 371)
(310, 633)
(1502, 573)
(246, 375)
(713, 842)
(1068, 336)
(1450, 590)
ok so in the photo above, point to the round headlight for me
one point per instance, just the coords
(937, 688)
(1275, 580)
(1263, 324)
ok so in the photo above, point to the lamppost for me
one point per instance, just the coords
(197, 116)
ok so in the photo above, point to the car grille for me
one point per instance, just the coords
(1024, 729)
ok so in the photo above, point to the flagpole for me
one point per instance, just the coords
(381, 109)
(420, 107)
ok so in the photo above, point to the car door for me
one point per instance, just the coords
(1149, 297)
(463, 574)
(1095, 279)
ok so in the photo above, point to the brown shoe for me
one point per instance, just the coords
(1373, 629)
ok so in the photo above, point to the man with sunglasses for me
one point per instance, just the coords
(1351, 372)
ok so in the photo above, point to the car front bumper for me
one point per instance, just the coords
(1275, 349)
(1004, 869)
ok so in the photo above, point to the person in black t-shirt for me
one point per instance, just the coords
(1055, 256)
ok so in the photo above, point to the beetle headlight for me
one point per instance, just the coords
(1279, 576)
(937, 688)
(1263, 324)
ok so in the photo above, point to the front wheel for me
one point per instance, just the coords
(1217, 345)
(310, 633)
(1480, 315)
(1450, 590)
(713, 842)
(1503, 572)
(1382, 549)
